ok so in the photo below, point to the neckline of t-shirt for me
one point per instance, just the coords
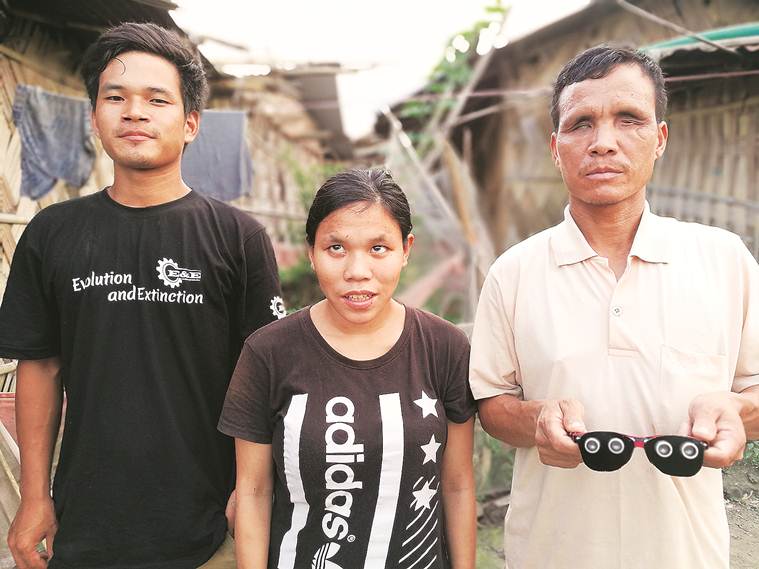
(189, 197)
(313, 331)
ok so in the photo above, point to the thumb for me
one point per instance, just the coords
(49, 542)
(704, 423)
(572, 416)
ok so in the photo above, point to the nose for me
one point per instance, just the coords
(133, 110)
(357, 267)
(604, 140)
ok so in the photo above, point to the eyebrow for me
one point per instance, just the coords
(338, 237)
(579, 118)
(120, 87)
(626, 111)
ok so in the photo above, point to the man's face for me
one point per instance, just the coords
(608, 138)
(139, 115)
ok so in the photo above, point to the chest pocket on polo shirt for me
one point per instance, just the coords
(684, 375)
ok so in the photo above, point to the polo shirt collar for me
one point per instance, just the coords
(650, 244)
(652, 241)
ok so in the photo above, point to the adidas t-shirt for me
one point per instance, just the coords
(357, 445)
(147, 309)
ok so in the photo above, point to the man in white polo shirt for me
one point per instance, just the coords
(617, 320)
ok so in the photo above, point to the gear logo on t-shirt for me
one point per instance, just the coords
(172, 275)
(277, 307)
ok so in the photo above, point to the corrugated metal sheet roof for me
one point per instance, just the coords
(86, 19)
(745, 36)
(96, 15)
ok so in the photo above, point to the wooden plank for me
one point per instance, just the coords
(26, 208)
(6, 198)
(695, 178)
(711, 143)
(723, 169)
(8, 242)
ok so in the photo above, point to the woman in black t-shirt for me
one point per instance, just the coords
(353, 418)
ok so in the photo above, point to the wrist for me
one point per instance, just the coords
(743, 404)
(36, 493)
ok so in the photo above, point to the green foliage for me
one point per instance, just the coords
(299, 285)
(451, 73)
(493, 463)
(752, 453)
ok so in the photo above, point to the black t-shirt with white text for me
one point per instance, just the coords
(147, 309)
(357, 445)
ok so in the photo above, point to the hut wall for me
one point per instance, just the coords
(710, 170)
(522, 190)
(33, 55)
(284, 145)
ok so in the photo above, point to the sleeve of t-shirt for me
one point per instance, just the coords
(261, 301)
(246, 413)
(747, 365)
(29, 327)
(493, 365)
(458, 401)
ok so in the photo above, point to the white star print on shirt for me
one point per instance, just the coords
(427, 404)
(423, 497)
(430, 450)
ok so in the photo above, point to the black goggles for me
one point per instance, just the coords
(674, 455)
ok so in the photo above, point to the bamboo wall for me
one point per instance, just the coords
(710, 170)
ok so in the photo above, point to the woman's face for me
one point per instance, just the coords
(358, 254)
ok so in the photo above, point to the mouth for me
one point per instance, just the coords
(603, 173)
(135, 135)
(359, 299)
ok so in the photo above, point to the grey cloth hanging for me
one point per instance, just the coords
(217, 163)
(55, 133)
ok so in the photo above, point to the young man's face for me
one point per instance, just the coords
(608, 138)
(139, 115)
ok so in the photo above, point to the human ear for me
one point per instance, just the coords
(191, 126)
(554, 150)
(661, 138)
(407, 248)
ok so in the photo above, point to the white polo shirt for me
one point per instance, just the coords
(553, 322)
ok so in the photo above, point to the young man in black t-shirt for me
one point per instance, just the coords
(134, 301)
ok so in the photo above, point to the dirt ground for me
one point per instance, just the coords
(741, 502)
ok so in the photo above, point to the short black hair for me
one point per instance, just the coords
(597, 62)
(358, 185)
(147, 38)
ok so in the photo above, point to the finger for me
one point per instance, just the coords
(561, 461)
(704, 423)
(684, 430)
(726, 448)
(559, 448)
(572, 412)
(49, 542)
(719, 458)
(29, 559)
(551, 457)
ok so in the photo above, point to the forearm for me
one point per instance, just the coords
(461, 526)
(510, 420)
(748, 401)
(457, 494)
(255, 484)
(39, 398)
(252, 527)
